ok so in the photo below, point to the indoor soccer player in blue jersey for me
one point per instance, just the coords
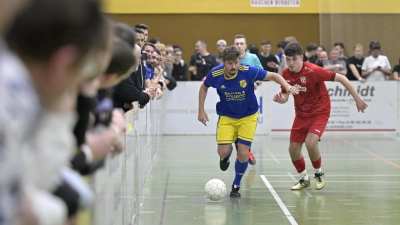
(237, 108)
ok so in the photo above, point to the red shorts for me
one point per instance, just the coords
(302, 126)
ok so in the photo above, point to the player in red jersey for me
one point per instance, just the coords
(313, 107)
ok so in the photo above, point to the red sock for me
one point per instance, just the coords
(317, 164)
(300, 165)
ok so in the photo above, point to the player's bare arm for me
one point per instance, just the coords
(281, 98)
(279, 79)
(202, 116)
(361, 105)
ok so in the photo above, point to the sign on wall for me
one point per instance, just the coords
(275, 3)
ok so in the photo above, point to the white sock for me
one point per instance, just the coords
(304, 175)
(319, 170)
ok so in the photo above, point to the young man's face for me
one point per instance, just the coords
(221, 48)
(140, 39)
(178, 56)
(146, 34)
(323, 56)
(266, 48)
(199, 47)
(319, 50)
(149, 51)
(154, 59)
(375, 53)
(240, 44)
(231, 66)
(334, 56)
(358, 52)
(294, 63)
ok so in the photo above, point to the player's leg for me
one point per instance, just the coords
(297, 138)
(252, 160)
(316, 130)
(226, 134)
(246, 130)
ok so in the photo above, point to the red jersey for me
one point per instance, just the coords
(313, 98)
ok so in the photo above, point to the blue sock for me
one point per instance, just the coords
(229, 155)
(240, 169)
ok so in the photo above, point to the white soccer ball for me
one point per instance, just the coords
(215, 189)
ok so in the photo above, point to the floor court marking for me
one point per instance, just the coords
(165, 197)
(294, 179)
(273, 157)
(367, 151)
(279, 201)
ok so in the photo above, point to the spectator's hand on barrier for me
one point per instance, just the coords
(191, 68)
(203, 117)
(159, 93)
(256, 84)
(118, 121)
(361, 105)
(362, 80)
(100, 144)
(117, 148)
(150, 92)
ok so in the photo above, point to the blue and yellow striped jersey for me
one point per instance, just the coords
(237, 98)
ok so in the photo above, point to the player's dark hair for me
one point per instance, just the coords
(312, 47)
(230, 53)
(265, 42)
(122, 58)
(323, 48)
(239, 36)
(47, 25)
(126, 33)
(293, 49)
(142, 26)
(339, 44)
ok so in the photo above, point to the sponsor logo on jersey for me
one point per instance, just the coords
(303, 79)
(300, 88)
(243, 83)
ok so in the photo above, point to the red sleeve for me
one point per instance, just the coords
(284, 75)
(321, 74)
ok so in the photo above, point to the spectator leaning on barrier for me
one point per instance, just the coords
(139, 37)
(221, 45)
(335, 64)
(376, 67)
(355, 63)
(323, 56)
(61, 43)
(201, 62)
(145, 30)
(311, 53)
(396, 71)
(340, 47)
(268, 61)
(180, 68)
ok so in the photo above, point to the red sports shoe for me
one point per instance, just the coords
(252, 160)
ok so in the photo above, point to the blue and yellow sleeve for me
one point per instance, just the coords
(257, 73)
(208, 82)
